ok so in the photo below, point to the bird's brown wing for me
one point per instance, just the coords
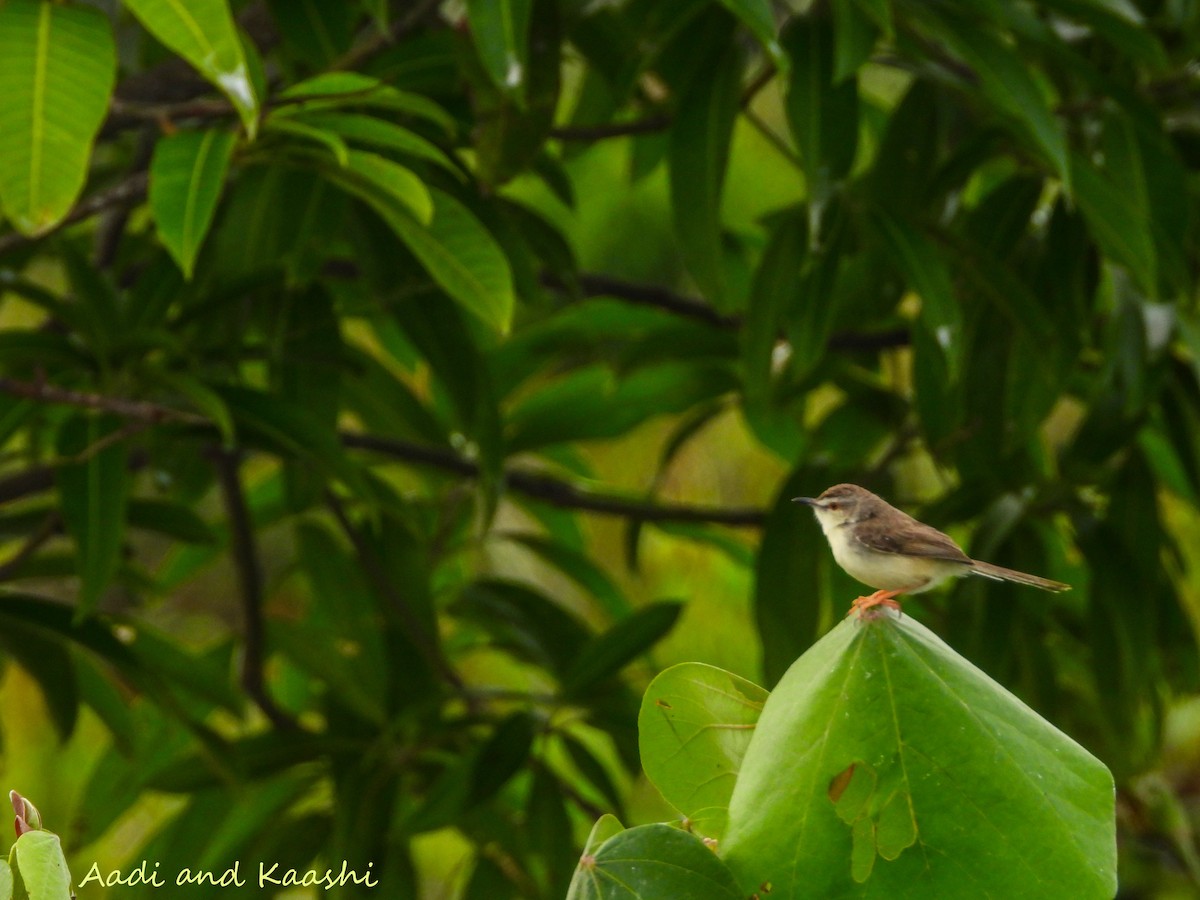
(912, 538)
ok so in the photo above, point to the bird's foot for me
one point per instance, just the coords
(873, 606)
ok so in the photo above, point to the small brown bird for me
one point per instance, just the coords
(890, 550)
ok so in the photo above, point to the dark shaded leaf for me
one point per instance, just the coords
(93, 488)
(606, 654)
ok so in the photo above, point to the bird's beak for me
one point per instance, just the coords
(807, 501)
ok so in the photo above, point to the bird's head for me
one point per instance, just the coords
(841, 505)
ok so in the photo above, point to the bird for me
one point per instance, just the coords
(887, 549)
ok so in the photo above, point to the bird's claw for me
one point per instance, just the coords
(873, 606)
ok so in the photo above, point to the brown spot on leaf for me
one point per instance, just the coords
(840, 782)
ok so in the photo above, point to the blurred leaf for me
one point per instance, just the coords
(1121, 23)
(187, 175)
(1006, 82)
(515, 115)
(590, 403)
(787, 604)
(488, 882)
(93, 487)
(773, 295)
(340, 638)
(757, 16)
(59, 67)
(501, 757)
(855, 33)
(698, 154)
(525, 622)
(927, 274)
(550, 829)
(1107, 209)
(580, 568)
(255, 758)
(174, 520)
(51, 665)
(203, 33)
(287, 428)
(500, 30)
(317, 31)
(822, 114)
(653, 862)
(695, 724)
(606, 654)
(593, 771)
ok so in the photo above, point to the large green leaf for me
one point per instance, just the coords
(203, 33)
(695, 725)
(652, 862)
(885, 765)
(57, 65)
(93, 486)
(187, 173)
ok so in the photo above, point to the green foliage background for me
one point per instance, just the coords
(387, 390)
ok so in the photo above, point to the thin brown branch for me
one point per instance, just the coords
(250, 579)
(607, 130)
(27, 483)
(379, 41)
(597, 285)
(50, 526)
(129, 192)
(760, 81)
(560, 493)
(869, 341)
(136, 410)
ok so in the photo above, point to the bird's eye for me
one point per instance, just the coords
(834, 505)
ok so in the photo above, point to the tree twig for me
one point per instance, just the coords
(598, 285)
(130, 191)
(604, 131)
(49, 528)
(377, 42)
(560, 493)
(249, 570)
(137, 410)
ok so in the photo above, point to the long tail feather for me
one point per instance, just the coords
(988, 570)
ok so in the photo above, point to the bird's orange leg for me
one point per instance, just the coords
(869, 607)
